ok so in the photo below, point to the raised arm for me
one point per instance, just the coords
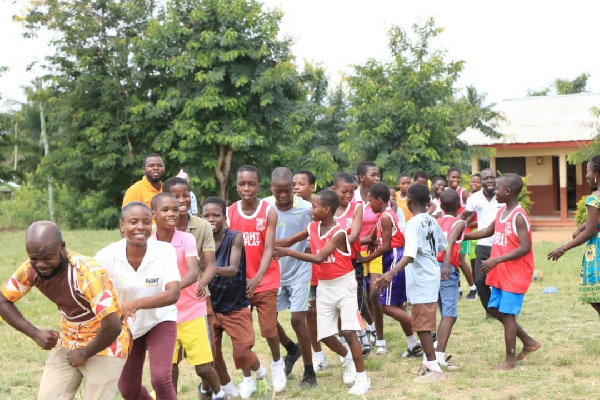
(482, 233)
(287, 242)
(338, 241)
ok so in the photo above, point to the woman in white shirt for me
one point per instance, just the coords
(147, 280)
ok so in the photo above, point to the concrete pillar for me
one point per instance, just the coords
(474, 164)
(562, 170)
(493, 163)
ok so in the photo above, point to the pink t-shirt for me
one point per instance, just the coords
(189, 306)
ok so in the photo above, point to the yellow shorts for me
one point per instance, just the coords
(194, 338)
(375, 266)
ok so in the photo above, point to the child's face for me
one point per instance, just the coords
(438, 187)
(377, 204)
(247, 185)
(404, 184)
(319, 211)
(184, 200)
(423, 181)
(502, 191)
(137, 225)
(283, 193)
(475, 184)
(166, 213)
(370, 178)
(213, 213)
(344, 191)
(454, 179)
(302, 187)
(392, 194)
(591, 176)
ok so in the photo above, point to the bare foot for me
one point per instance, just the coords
(528, 349)
(504, 366)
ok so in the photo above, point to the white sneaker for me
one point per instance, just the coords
(349, 374)
(278, 378)
(319, 363)
(360, 387)
(230, 390)
(246, 388)
(347, 348)
(381, 350)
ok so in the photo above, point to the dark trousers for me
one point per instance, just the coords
(482, 253)
(360, 280)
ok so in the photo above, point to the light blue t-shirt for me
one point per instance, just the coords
(289, 223)
(423, 240)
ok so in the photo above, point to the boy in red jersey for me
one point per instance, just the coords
(336, 290)
(510, 267)
(453, 229)
(390, 239)
(257, 220)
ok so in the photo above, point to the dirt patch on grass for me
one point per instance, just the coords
(555, 236)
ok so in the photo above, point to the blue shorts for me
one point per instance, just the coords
(294, 297)
(395, 294)
(448, 297)
(506, 302)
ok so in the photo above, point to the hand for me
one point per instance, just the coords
(555, 254)
(371, 247)
(201, 293)
(76, 357)
(129, 309)
(384, 280)
(361, 259)
(278, 252)
(46, 339)
(251, 285)
(488, 265)
(445, 272)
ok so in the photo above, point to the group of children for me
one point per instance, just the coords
(340, 260)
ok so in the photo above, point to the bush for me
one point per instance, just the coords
(524, 196)
(581, 214)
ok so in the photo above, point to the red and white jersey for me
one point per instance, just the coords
(397, 235)
(338, 263)
(345, 221)
(514, 275)
(447, 223)
(254, 230)
(460, 190)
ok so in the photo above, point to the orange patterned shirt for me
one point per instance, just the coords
(84, 295)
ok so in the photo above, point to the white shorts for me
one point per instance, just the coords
(294, 297)
(336, 300)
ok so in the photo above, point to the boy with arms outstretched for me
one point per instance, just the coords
(424, 239)
(336, 290)
(510, 267)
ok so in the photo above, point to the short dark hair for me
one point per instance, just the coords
(380, 191)
(328, 198)
(476, 175)
(131, 205)
(311, 177)
(216, 200)
(451, 170)
(513, 181)
(158, 198)
(364, 166)
(418, 193)
(436, 179)
(174, 181)
(595, 162)
(402, 175)
(250, 168)
(420, 174)
(152, 155)
(345, 177)
(450, 201)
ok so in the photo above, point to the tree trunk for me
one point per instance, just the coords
(223, 168)
(46, 152)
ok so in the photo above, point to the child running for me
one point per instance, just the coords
(257, 220)
(192, 326)
(336, 290)
(509, 268)
(453, 229)
(590, 271)
(230, 305)
(424, 239)
(390, 240)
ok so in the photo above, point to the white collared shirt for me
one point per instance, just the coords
(486, 213)
(158, 267)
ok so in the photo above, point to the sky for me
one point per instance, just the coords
(508, 46)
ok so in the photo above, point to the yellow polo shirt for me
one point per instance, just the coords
(142, 191)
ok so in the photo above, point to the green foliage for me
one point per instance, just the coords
(577, 85)
(524, 196)
(591, 149)
(581, 213)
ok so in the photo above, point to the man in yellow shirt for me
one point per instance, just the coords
(150, 185)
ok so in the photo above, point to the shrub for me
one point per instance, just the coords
(581, 214)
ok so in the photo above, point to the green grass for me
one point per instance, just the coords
(567, 366)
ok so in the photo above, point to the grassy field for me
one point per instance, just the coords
(567, 366)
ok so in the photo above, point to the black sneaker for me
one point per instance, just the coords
(416, 351)
(205, 395)
(290, 359)
(308, 381)
(472, 295)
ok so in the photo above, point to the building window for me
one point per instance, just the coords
(515, 165)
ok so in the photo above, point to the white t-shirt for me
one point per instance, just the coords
(158, 268)
(486, 213)
(423, 240)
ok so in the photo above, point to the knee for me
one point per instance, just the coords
(298, 321)
(204, 370)
(161, 382)
(128, 391)
(374, 296)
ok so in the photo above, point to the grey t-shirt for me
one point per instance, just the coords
(289, 223)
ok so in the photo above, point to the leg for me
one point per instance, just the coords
(177, 357)
(130, 382)
(59, 380)
(466, 269)
(427, 343)
(220, 366)
(397, 313)
(355, 349)
(284, 339)
(377, 312)
(596, 307)
(266, 308)
(100, 377)
(209, 374)
(311, 325)
(195, 339)
(483, 253)
(299, 326)
(238, 325)
(161, 346)
(443, 333)
(448, 305)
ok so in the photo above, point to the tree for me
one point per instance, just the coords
(563, 86)
(404, 114)
(591, 149)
